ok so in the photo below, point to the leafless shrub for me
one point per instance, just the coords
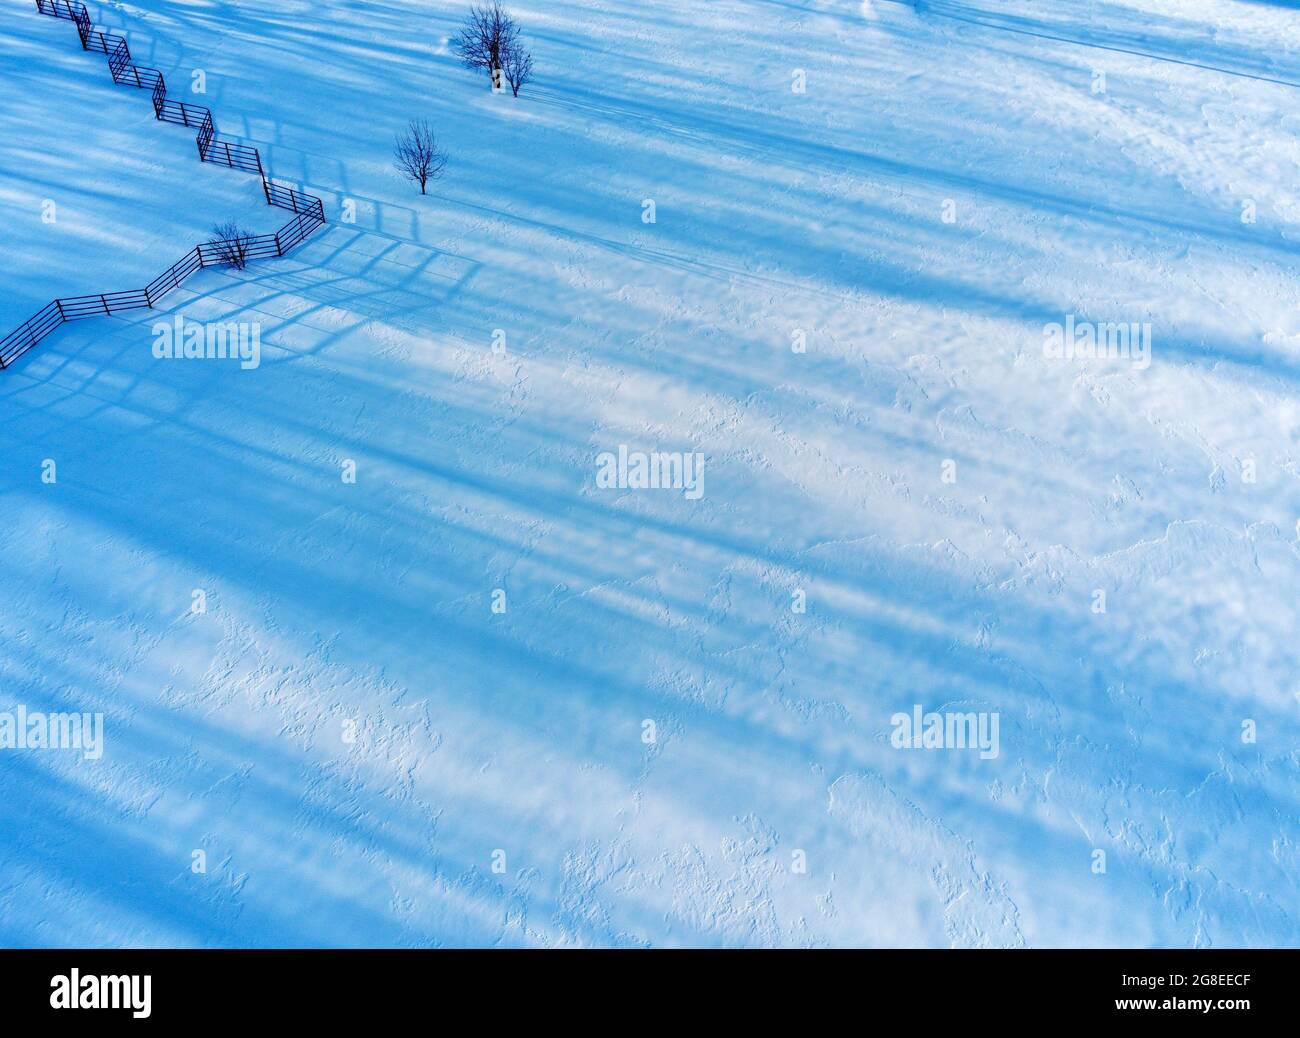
(232, 244)
(417, 156)
(517, 66)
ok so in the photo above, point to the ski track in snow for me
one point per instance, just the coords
(365, 608)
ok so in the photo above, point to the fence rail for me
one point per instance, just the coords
(308, 210)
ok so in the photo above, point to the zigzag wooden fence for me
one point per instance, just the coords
(309, 211)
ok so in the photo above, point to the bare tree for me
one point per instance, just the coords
(517, 64)
(487, 36)
(232, 244)
(417, 156)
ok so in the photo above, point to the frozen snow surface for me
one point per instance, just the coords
(864, 217)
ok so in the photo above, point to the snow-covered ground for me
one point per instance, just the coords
(650, 745)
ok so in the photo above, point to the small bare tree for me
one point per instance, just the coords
(232, 244)
(417, 156)
(487, 36)
(517, 65)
